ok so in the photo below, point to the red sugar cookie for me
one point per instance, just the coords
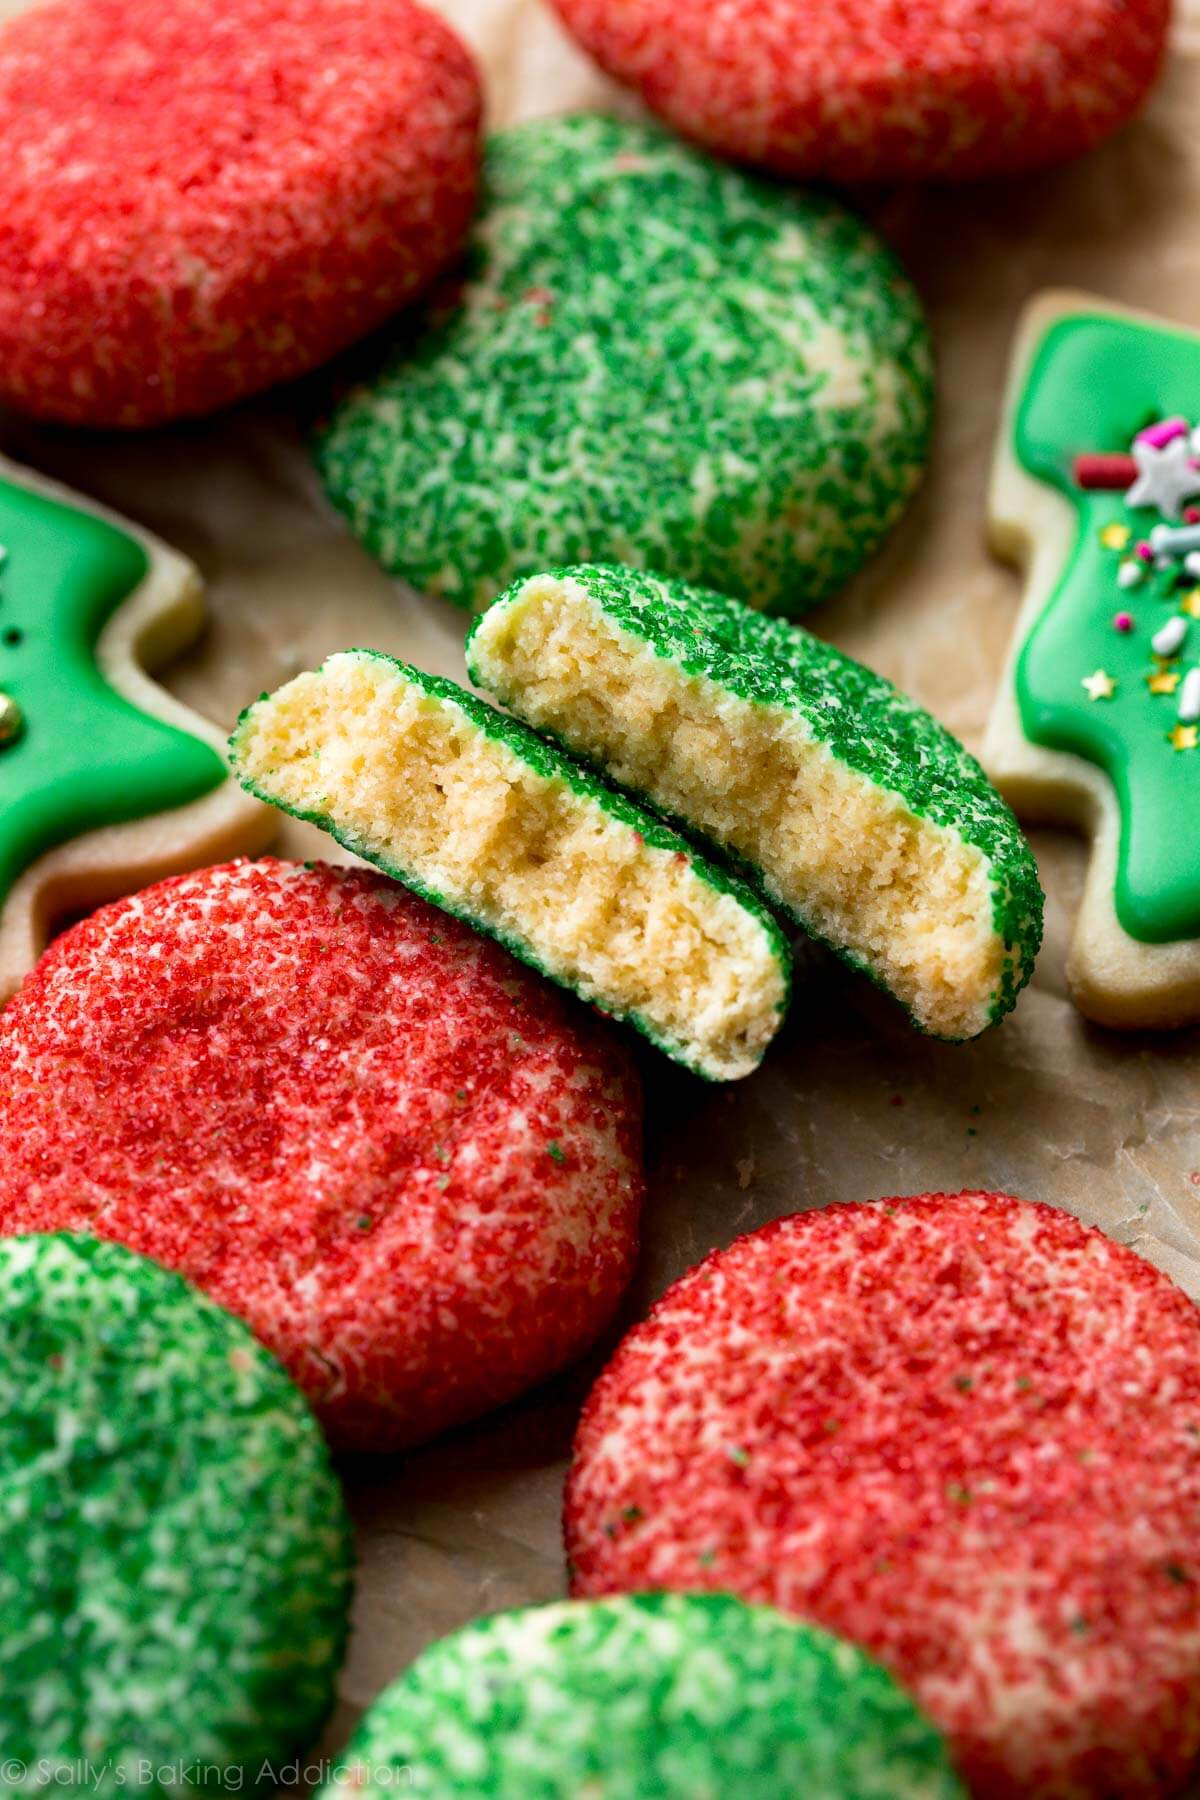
(198, 200)
(883, 90)
(964, 1432)
(407, 1162)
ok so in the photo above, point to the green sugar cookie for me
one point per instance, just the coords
(857, 813)
(174, 1551)
(675, 1696)
(653, 360)
(479, 815)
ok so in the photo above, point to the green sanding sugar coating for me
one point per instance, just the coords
(547, 760)
(174, 1551)
(864, 721)
(654, 360)
(675, 1696)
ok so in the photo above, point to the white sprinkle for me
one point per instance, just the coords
(1189, 698)
(1191, 563)
(1129, 574)
(1169, 637)
(1175, 540)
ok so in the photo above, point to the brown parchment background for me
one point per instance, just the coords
(851, 1105)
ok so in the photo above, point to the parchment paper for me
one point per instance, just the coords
(852, 1105)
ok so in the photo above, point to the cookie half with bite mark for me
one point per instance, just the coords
(481, 816)
(854, 810)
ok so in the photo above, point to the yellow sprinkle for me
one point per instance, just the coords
(1115, 537)
(1164, 682)
(1099, 686)
(1184, 737)
(1190, 604)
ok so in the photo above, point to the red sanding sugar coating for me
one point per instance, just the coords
(410, 1165)
(199, 198)
(883, 90)
(964, 1432)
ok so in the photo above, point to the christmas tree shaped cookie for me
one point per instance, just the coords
(106, 781)
(1096, 492)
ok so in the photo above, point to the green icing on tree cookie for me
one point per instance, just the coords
(1088, 679)
(675, 1696)
(74, 754)
(654, 360)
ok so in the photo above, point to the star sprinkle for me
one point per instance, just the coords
(1163, 681)
(1166, 477)
(1099, 686)
(1184, 737)
(1115, 537)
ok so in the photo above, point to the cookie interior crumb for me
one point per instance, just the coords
(412, 782)
(909, 900)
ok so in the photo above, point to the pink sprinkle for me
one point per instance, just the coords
(1144, 551)
(1123, 621)
(1163, 433)
(1191, 515)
